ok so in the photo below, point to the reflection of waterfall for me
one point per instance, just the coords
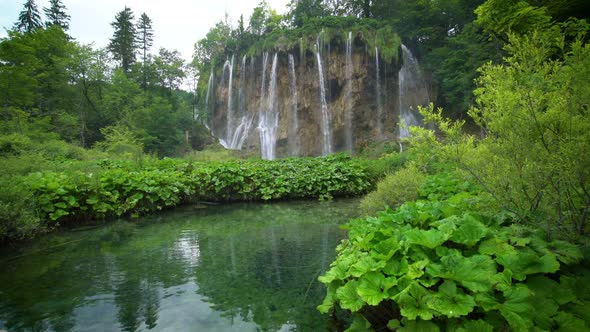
(294, 119)
(269, 116)
(325, 116)
(348, 96)
(378, 96)
(413, 92)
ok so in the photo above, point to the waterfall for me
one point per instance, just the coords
(348, 95)
(241, 131)
(230, 115)
(413, 92)
(325, 124)
(378, 97)
(269, 116)
(209, 89)
(294, 128)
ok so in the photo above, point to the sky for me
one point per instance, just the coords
(177, 24)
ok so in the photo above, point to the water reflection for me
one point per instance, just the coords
(243, 267)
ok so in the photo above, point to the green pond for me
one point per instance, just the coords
(236, 267)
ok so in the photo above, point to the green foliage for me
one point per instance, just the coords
(132, 188)
(443, 264)
(120, 141)
(18, 219)
(394, 189)
(535, 154)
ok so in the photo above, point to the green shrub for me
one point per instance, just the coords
(14, 145)
(133, 187)
(440, 264)
(18, 217)
(394, 190)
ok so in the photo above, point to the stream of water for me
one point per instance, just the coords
(238, 267)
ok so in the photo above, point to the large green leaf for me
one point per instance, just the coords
(366, 264)
(518, 309)
(348, 297)
(569, 323)
(416, 269)
(396, 267)
(338, 272)
(431, 238)
(474, 273)
(385, 249)
(373, 287)
(525, 261)
(566, 252)
(451, 301)
(413, 302)
(470, 231)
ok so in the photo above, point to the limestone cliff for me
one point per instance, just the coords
(306, 103)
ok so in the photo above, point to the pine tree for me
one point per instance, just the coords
(145, 34)
(29, 18)
(56, 15)
(145, 40)
(123, 44)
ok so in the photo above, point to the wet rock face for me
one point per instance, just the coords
(351, 100)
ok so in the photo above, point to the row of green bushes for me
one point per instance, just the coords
(42, 200)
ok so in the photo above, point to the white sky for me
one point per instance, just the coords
(177, 24)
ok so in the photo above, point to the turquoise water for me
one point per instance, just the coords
(238, 267)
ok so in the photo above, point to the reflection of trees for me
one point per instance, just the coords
(109, 261)
(252, 262)
(273, 281)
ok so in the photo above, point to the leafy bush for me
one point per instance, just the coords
(394, 189)
(135, 187)
(18, 219)
(439, 263)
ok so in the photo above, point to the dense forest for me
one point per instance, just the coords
(478, 223)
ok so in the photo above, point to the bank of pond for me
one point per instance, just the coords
(257, 245)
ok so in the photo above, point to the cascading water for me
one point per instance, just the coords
(210, 83)
(348, 96)
(378, 95)
(241, 131)
(269, 117)
(325, 116)
(230, 116)
(294, 123)
(413, 92)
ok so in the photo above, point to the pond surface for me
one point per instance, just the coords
(238, 267)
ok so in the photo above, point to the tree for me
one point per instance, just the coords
(259, 18)
(145, 39)
(29, 18)
(145, 34)
(56, 15)
(123, 44)
(300, 10)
